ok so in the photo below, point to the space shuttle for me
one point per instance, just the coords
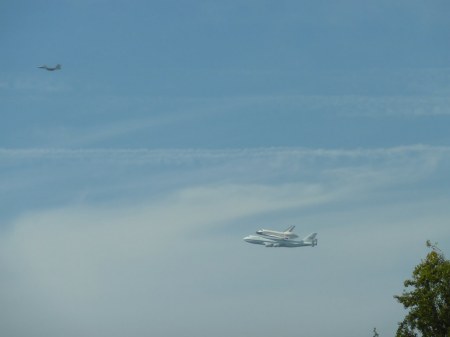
(287, 234)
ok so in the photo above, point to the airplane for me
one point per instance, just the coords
(57, 67)
(287, 234)
(310, 240)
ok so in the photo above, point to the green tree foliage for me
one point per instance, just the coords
(428, 300)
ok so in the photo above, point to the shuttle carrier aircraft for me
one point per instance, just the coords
(271, 238)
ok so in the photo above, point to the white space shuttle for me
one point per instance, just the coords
(287, 234)
(310, 240)
(57, 67)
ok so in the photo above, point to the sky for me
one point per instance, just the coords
(176, 128)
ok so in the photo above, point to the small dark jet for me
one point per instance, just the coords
(57, 67)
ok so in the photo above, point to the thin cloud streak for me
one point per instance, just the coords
(190, 154)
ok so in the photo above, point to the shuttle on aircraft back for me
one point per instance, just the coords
(287, 234)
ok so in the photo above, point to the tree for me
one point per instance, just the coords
(428, 301)
(375, 333)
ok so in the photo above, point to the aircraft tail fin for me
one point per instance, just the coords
(311, 238)
(290, 229)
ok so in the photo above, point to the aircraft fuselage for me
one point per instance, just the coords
(279, 242)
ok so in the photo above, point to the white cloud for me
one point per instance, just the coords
(137, 269)
(83, 261)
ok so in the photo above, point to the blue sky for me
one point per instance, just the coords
(174, 129)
